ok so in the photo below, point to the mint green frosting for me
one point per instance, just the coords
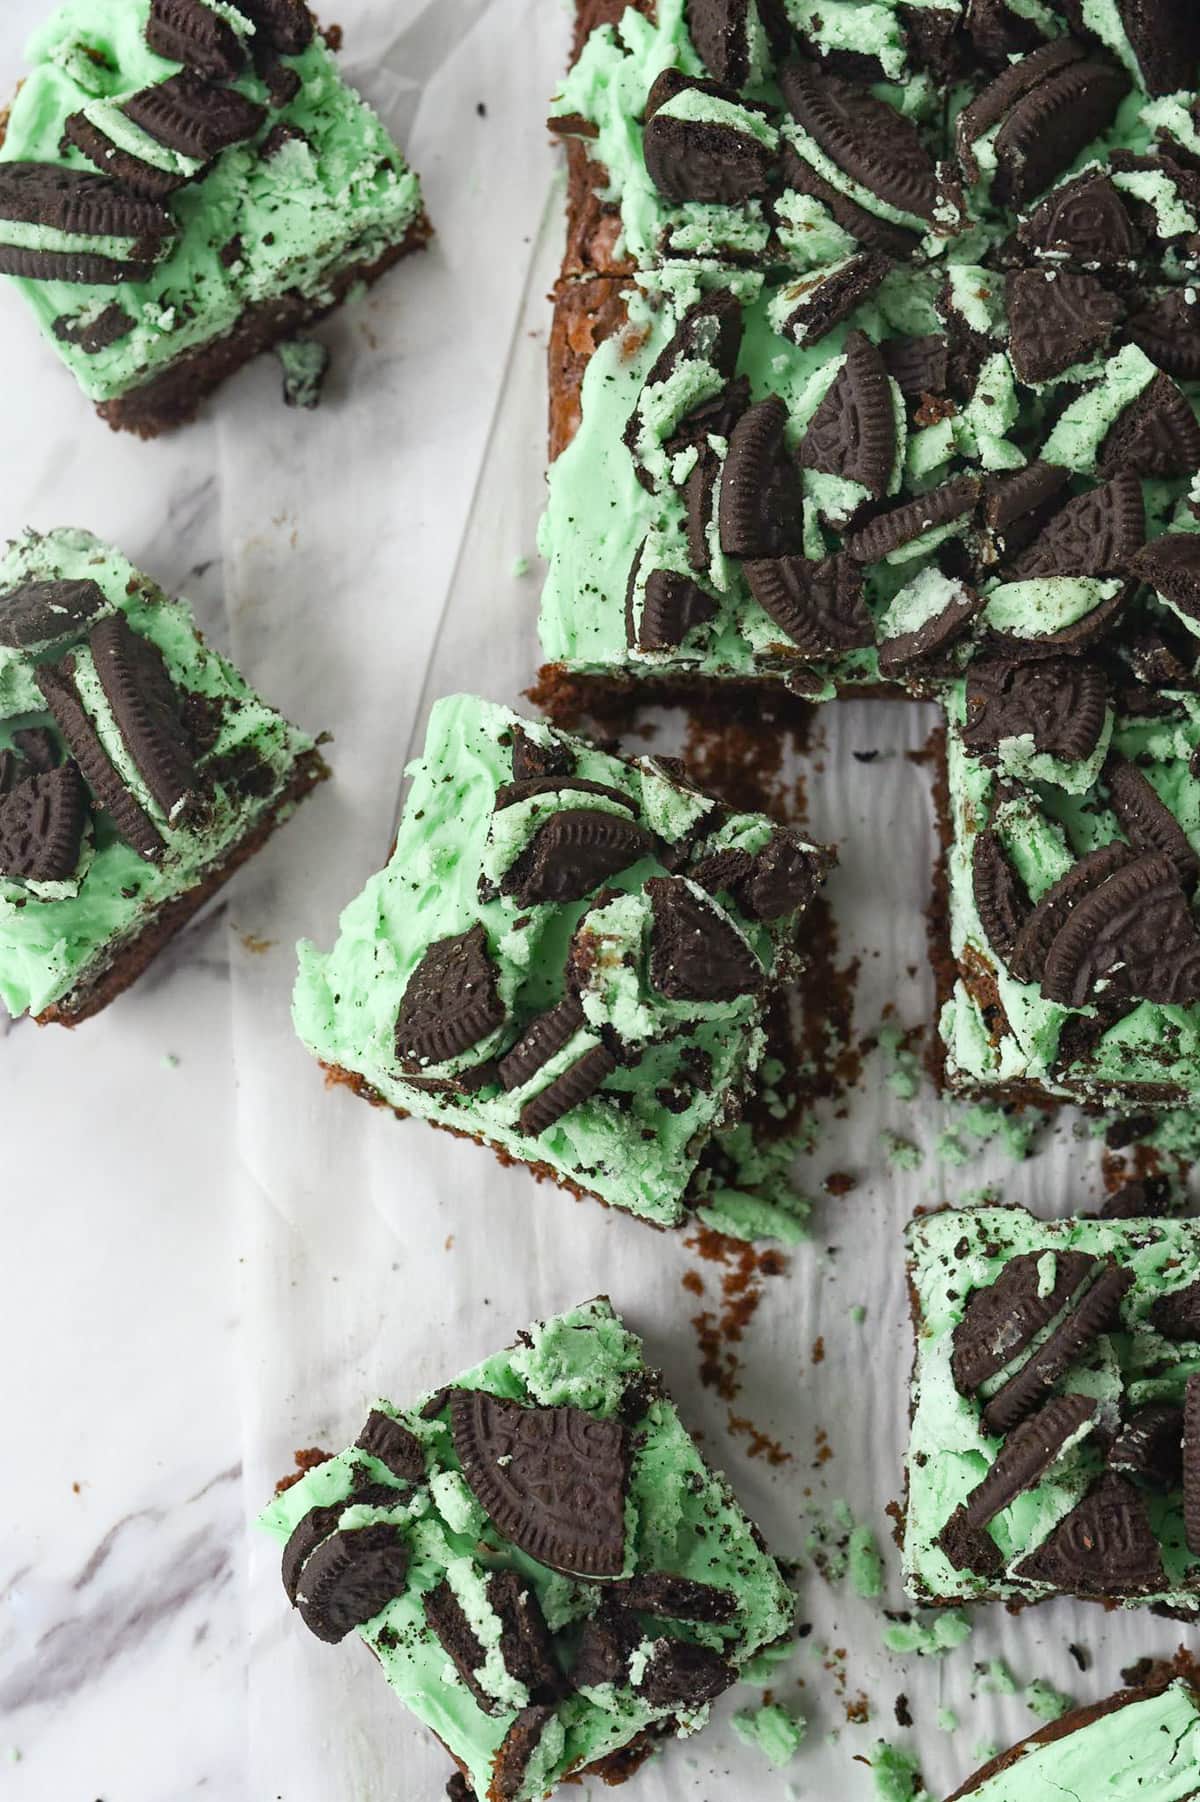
(623, 1144)
(56, 938)
(1148, 1750)
(249, 229)
(952, 1254)
(682, 1518)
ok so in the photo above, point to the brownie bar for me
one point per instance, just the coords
(595, 991)
(1055, 1370)
(183, 185)
(138, 770)
(501, 1547)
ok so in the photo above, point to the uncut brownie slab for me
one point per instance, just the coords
(545, 1567)
(572, 957)
(840, 348)
(138, 770)
(1142, 1745)
(183, 185)
(1055, 1439)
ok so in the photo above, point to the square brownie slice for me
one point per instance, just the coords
(1055, 1439)
(1141, 1745)
(138, 770)
(183, 184)
(575, 958)
(545, 1567)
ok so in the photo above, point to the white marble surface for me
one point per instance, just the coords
(208, 1260)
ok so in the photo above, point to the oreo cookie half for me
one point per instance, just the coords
(1084, 221)
(1171, 565)
(41, 826)
(37, 615)
(1029, 954)
(1095, 534)
(1059, 702)
(350, 1577)
(147, 709)
(868, 140)
(134, 824)
(761, 509)
(1001, 899)
(812, 305)
(1104, 1548)
(451, 1001)
(79, 204)
(696, 952)
(1147, 821)
(853, 432)
(1134, 936)
(1001, 1320)
(820, 606)
(573, 853)
(188, 31)
(1157, 434)
(1056, 318)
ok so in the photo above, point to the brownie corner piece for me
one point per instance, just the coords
(1147, 1737)
(196, 187)
(138, 770)
(574, 957)
(1055, 1438)
(501, 1548)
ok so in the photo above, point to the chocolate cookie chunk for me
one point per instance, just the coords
(868, 229)
(288, 25)
(188, 31)
(520, 1744)
(1157, 434)
(1001, 1320)
(1168, 331)
(998, 34)
(1029, 954)
(1105, 1547)
(918, 366)
(541, 1040)
(1059, 702)
(1191, 1464)
(678, 1598)
(305, 1537)
(573, 853)
(450, 1002)
(708, 161)
(1135, 934)
(723, 31)
(1085, 221)
(41, 826)
(679, 1674)
(761, 511)
(783, 877)
(134, 824)
(1016, 504)
(193, 116)
(1029, 1451)
(393, 1444)
(1016, 81)
(350, 1578)
(890, 531)
(1171, 565)
(1164, 37)
(147, 709)
(821, 300)
(1049, 126)
(900, 652)
(853, 432)
(1001, 899)
(1056, 318)
(552, 1480)
(1149, 1445)
(85, 205)
(1148, 822)
(1095, 534)
(867, 139)
(526, 1643)
(1095, 1312)
(531, 759)
(820, 606)
(448, 1622)
(37, 615)
(696, 952)
(93, 332)
(1177, 1315)
(700, 505)
(571, 1089)
(671, 606)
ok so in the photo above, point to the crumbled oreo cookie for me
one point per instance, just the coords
(926, 644)
(42, 820)
(1085, 221)
(132, 822)
(1157, 434)
(761, 511)
(1167, 329)
(1054, 909)
(877, 147)
(713, 162)
(1001, 899)
(820, 606)
(447, 1621)
(1149, 1446)
(573, 853)
(672, 606)
(288, 25)
(147, 709)
(1007, 92)
(575, 1085)
(819, 301)
(1001, 1320)
(1049, 125)
(783, 877)
(552, 1480)
(1134, 936)
(450, 1002)
(919, 366)
(723, 32)
(891, 530)
(1147, 821)
(1171, 565)
(1095, 534)
(520, 1744)
(1177, 1315)
(852, 434)
(1061, 703)
(39, 615)
(306, 1536)
(531, 759)
(679, 1674)
(350, 1578)
(38, 748)
(1057, 318)
(696, 952)
(870, 230)
(1104, 1547)
(526, 1643)
(1017, 504)
(1093, 1313)
(197, 35)
(393, 1444)
(675, 1598)
(93, 332)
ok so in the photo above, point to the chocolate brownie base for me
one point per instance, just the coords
(1159, 1678)
(123, 964)
(586, 313)
(567, 696)
(174, 397)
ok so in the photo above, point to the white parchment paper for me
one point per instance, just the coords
(360, 562)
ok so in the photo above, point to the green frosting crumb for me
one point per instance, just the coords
(858, 1313)
(928, 1639)
(947, 1720)
(950, 1149)
(304, 363)
(865, 1563)
(985, 1751)
(764, 1667)
(1048, 1703)
(774, 1730)
(520, 567)
(897, 1774)
(902, 1154)
(995, 1679)
(904, 1077)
